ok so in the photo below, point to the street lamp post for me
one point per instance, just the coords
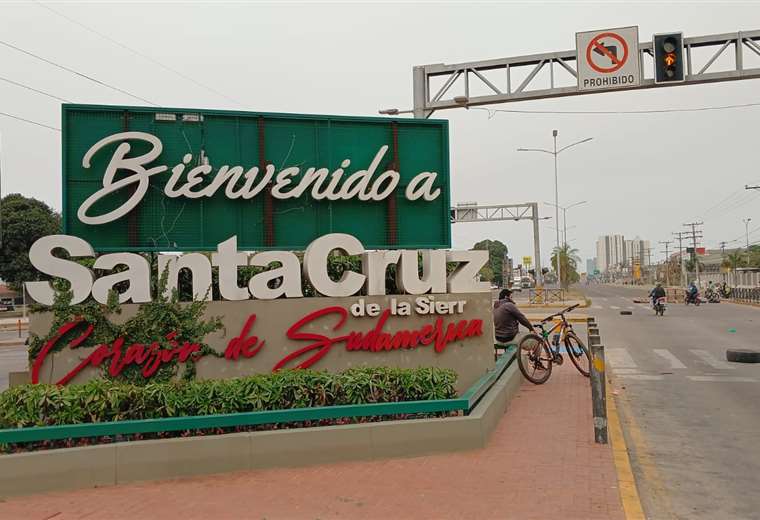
(564, 217)
(555, 153)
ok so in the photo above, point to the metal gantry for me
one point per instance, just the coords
(472, 212)
(505, 89)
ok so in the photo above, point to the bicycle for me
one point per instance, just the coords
(536, 354)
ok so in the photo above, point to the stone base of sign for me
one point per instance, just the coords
(110, 464)
(18, 378)
(470, 355)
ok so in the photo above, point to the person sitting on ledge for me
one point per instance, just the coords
(507, 318)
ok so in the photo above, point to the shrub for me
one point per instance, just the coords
(107, 400)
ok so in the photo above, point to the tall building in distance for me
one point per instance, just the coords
(590, 265)
(610, 252)
(615, 253)
(637, 250)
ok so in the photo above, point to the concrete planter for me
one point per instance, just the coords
(109, 464)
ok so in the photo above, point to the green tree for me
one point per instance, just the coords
(735, 259)
(691, 265)
(22, 221)
(496, 252)
(568, 258)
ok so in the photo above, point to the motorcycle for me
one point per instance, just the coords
(693, 298)
(659, 306)
(713, 296)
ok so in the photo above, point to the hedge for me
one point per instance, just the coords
(104, 400)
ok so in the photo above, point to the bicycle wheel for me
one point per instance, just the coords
(578, 353)
(534, 359)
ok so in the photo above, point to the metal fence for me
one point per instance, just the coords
(745, 294)
(546, 295)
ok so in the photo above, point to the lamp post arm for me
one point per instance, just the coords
(535, 150)
(573, 144)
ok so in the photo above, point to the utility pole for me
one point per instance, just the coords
(693, 226)
(680, 237)
(723, 259)
(667, 260)
(746, 233)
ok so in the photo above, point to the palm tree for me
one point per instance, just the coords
(734, 260)
(569, 263)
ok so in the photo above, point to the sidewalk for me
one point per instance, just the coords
(541, 463)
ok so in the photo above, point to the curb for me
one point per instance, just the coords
(749, 304)
(629, 494)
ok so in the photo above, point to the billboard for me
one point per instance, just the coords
(167, 179)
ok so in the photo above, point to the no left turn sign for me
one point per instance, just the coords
(600, 50)
(608, 58)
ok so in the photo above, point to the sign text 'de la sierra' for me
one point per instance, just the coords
(140, 179)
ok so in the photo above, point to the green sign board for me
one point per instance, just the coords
(167, 179)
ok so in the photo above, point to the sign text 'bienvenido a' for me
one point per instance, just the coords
(238, 182)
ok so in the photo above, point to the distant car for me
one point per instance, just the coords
(494, 287)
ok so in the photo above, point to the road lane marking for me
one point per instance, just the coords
(620, 358)
(597, 307)
(641, 377)
(724, 379)
(625, 370)
(669, 357)
(614, 307)
(711, 360)
(629, 494)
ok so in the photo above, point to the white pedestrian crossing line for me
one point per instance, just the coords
(669, 357)
(597, 307)
(626, 370)
(724, 379)
(620, 358)
(711, 360)
(641, 377)
(614, 307)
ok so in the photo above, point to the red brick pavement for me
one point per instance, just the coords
(541, 463)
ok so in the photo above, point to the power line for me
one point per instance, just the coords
(732, 197)
(72, 71)
(140, 54)
(48, 94)
(29, 121)
(492, 111)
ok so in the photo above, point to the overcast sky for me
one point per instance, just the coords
(643, 175)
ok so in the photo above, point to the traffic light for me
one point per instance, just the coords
(668, 57)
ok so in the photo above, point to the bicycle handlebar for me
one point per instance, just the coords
(560, 313)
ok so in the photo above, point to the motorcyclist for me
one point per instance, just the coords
(692, 291)
(657, 292)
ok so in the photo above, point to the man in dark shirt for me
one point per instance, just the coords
(507, 318)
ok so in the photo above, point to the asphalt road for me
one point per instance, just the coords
(691, 419)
